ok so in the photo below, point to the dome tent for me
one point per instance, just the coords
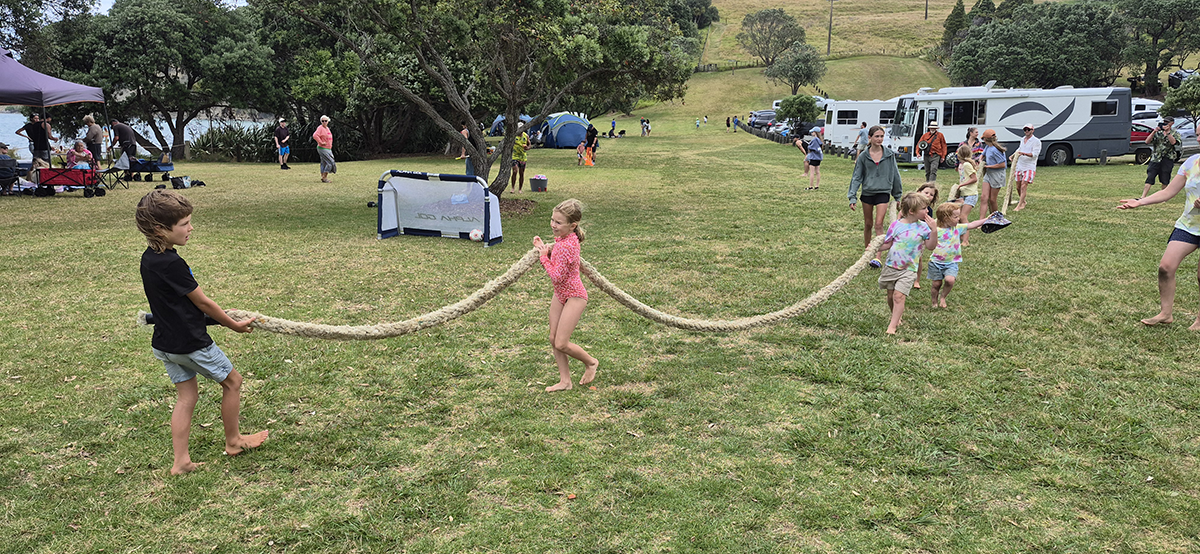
(497, 127)
(564, 130)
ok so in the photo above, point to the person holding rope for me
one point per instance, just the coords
(1184, 239)
(1026, 164)
(561, 260)
(1166, 144)
(878, 176)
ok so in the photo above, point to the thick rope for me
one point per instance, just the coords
(493, 287)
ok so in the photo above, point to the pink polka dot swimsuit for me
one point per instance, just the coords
(563, 267)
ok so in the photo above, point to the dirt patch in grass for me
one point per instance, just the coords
(516, 207)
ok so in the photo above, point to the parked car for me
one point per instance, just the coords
(1139, 132)
(762, 118)
(1177, 78)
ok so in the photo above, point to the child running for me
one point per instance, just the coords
(943, 263)
(930, 190)
(561, 261)
(966, 191)
(580, 151)
(180, 339)
(904, 240)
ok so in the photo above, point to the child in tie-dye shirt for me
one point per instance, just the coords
(943, 263)
(904, 240)
(1184, 240)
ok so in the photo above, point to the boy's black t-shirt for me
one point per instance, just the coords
(281, 133)
(178, 323)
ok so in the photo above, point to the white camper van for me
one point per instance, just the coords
(1072, 123)
(843, 118)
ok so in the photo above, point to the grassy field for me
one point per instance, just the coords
(1034, 415)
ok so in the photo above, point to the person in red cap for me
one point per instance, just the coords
(1026, 165)
(932, 155)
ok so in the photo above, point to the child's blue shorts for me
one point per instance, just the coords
(940, 270)
(210, 362)
(285, 150)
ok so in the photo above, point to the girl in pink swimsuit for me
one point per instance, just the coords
(561, 261)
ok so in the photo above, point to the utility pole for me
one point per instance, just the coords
(829, 44)
(926, 10)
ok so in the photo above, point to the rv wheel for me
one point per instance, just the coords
(1059, 154)
(1141, 156)
(951, 161)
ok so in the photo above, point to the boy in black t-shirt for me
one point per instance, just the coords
(180, 339)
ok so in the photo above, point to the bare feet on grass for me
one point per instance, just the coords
(1195, 326)
(942, 303)
(185, 468)
(589, 372)
(1159, 319)
(891, 330)
(560, 386)
(245, 441)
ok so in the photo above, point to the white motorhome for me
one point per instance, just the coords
(1072, 123)
(843, 118)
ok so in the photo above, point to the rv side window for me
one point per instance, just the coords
(887, 117)
(847, 117)
(960, 113)
(828, 117)
(931, 115)
(981, 112)
(1104, 107)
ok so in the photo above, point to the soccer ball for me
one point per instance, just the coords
(476, 235)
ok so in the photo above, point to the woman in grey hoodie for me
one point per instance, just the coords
(877, 174)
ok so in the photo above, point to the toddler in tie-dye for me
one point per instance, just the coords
(943, 263)
(904, 240)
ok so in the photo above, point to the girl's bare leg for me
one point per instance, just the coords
(949, 284)
(868, 219)
(563, 320)
(1195, 326)
(1174, 254)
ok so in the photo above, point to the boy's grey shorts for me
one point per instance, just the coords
(209, 362)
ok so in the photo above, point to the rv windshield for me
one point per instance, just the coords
(906, 117)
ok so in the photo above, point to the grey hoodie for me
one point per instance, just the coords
(875, 178)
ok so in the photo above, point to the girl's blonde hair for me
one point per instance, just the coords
(572, 209)
(965, 155)
(930, 185)
(947, 215)
(157, 213)
(912, 203)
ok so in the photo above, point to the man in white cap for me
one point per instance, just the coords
(1026, 164)
(934, 152)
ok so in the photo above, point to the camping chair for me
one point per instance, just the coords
(70, 179)
(8, 167)
(116, 174)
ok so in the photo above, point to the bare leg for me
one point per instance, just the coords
(520, 178)
(920, 265)
(1146, 189)
(964, 217)
(181, 426)
(1174, 254)
(881, 214)
(937, 288)
(896, 303)
(231, 407)
(563, 320)
(868, 211)
(1022, 188)
(324, 177)
(816, 173)
(949, 284)
(1195, 326)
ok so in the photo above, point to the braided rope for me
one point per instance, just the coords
(495, 286)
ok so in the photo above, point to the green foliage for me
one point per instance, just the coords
(799, 108)
(1008, 8)
(1162, 31)
(768, 33)
(703, 13)
(982, 12)
(235, 143)
(1045, 45)
(956, 23)
(1186, 98)
(798, 66)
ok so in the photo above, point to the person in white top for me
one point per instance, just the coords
(1026, 163)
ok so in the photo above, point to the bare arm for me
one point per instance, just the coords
(211, 309)
(1163, 195)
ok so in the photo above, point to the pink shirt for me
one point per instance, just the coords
(563, 267)
(324, 137)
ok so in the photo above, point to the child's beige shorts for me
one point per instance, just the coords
(897, 279)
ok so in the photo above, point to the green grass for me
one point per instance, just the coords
(1035, 415)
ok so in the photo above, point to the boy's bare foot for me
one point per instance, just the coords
(245, 441)
(560, 386)
(916, 285)
(891, 330)
(1195, 326)
(942, 304)
(589, 372)
(185, 468)
(1159, 319)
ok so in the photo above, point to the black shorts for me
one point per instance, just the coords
(875, 199)
(518, 163)
(1161, 169)
(814, 163)
(1179, 235)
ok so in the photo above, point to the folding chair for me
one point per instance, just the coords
(115, 174)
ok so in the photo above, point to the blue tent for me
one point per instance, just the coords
(564, 130)
(498, 124)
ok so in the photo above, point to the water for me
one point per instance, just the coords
(11, 122)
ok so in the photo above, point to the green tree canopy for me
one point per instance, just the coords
(1008, 8)
(799, 108)
(767, 33)
(982, 12)
(798, 66)
(1186, 98)
(956, 23)
(1045, 45)
(1162, 31)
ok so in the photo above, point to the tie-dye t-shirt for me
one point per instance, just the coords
(906, 239)
(1190, 220)
(949, 247)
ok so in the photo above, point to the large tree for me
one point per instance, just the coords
(174, 60)
(768, 33)
(955, 24)
(798, 66)
(1186, 98)
(22, 21)
(1163, 31)
(1044, 45)
(526, 54)
(799, 109)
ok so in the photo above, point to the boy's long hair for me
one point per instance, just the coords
(572, 209)
(947, 215)
(912, 202)
(157, 213)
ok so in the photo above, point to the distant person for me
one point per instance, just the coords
(1184, 240)
(8, 171)
(180, 338)
(1026, 164)
(613, 131)
(878, 177)
(933, 155)
(706, 120)
(462, 153)
(581, 151)
(94, 138)
(79, 157)
(37, 132)
(324, 138)
(592, 141)
(1166, 144)
(125, 138)
(519, 158)
(735, 123)
(814, 157)
(727, 124)
(975, 145)
(995, 171)
(282, 146)
(697, 123)
(861, 142)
